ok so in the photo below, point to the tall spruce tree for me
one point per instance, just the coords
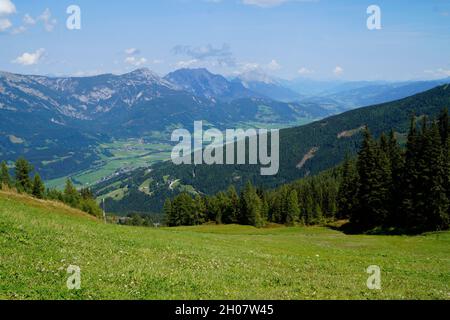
(444, 124)
(251, 207)
(200, 210)
(348, 189)
(409, 181)
(71, 195)
(233, 197)
(293, 210)
(38, 187)
(22, 175)
(431, 212)
(374, 185)
(168, 213)
(5, 178)
(397, 164)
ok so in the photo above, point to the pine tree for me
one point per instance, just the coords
(444, 124)
(38, 187)
(293, 210)
(233, 197)
(431, 212)
(86, 193)
(348, 189)
(264, 203)
(5, 179)
(168, 213)
(307, 216)
(409, 181)
(200, 210)
(71, 195)
(22, 174)
(397, 164)
(275, 210)
(374, 185)
(251, 207)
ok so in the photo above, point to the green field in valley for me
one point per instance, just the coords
(39, 240)
(125, 155)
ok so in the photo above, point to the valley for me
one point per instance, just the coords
(106, 131)
(304, 151)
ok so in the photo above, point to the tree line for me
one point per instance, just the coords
(23, 183)
(391, 187)
(386, 186)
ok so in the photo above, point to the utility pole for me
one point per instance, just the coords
(104, 213)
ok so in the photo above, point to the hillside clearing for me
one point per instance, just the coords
(40, 240)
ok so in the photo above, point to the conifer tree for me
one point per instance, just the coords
(293, 210)
(444, 124)
(251, 207)
(374, 185)
(410, 175)
(200, 210)
(22, 175)
(307, 209)
(168, 213)
(38, 187)
(348, 189)
(5, 179)
(233, 204)
(431, 211)
(397, 164)
(71, 195)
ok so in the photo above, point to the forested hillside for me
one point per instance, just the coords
(304, 151)
(387, 187)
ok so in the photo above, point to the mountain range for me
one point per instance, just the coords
(65, 118)
(58, 123)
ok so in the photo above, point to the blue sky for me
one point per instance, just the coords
(322, 39)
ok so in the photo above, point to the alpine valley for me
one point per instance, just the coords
(112, 132)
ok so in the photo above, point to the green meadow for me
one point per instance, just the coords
(39, 240)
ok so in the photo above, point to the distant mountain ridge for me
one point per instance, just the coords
(57, 122)
(203, 83)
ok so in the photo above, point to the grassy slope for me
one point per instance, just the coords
(39, 241)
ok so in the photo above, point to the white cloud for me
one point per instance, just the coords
(249, 67)
(305, 71)
(338, 71)
(7, 7)
(137, 62)
(186, 64)
(132, 51)
(253, 67)
(27, 19)
(5, 24)
(46, 18)
(89, 73)
(29, 59)
(19, 30)
(273, 65)
(439, 73)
